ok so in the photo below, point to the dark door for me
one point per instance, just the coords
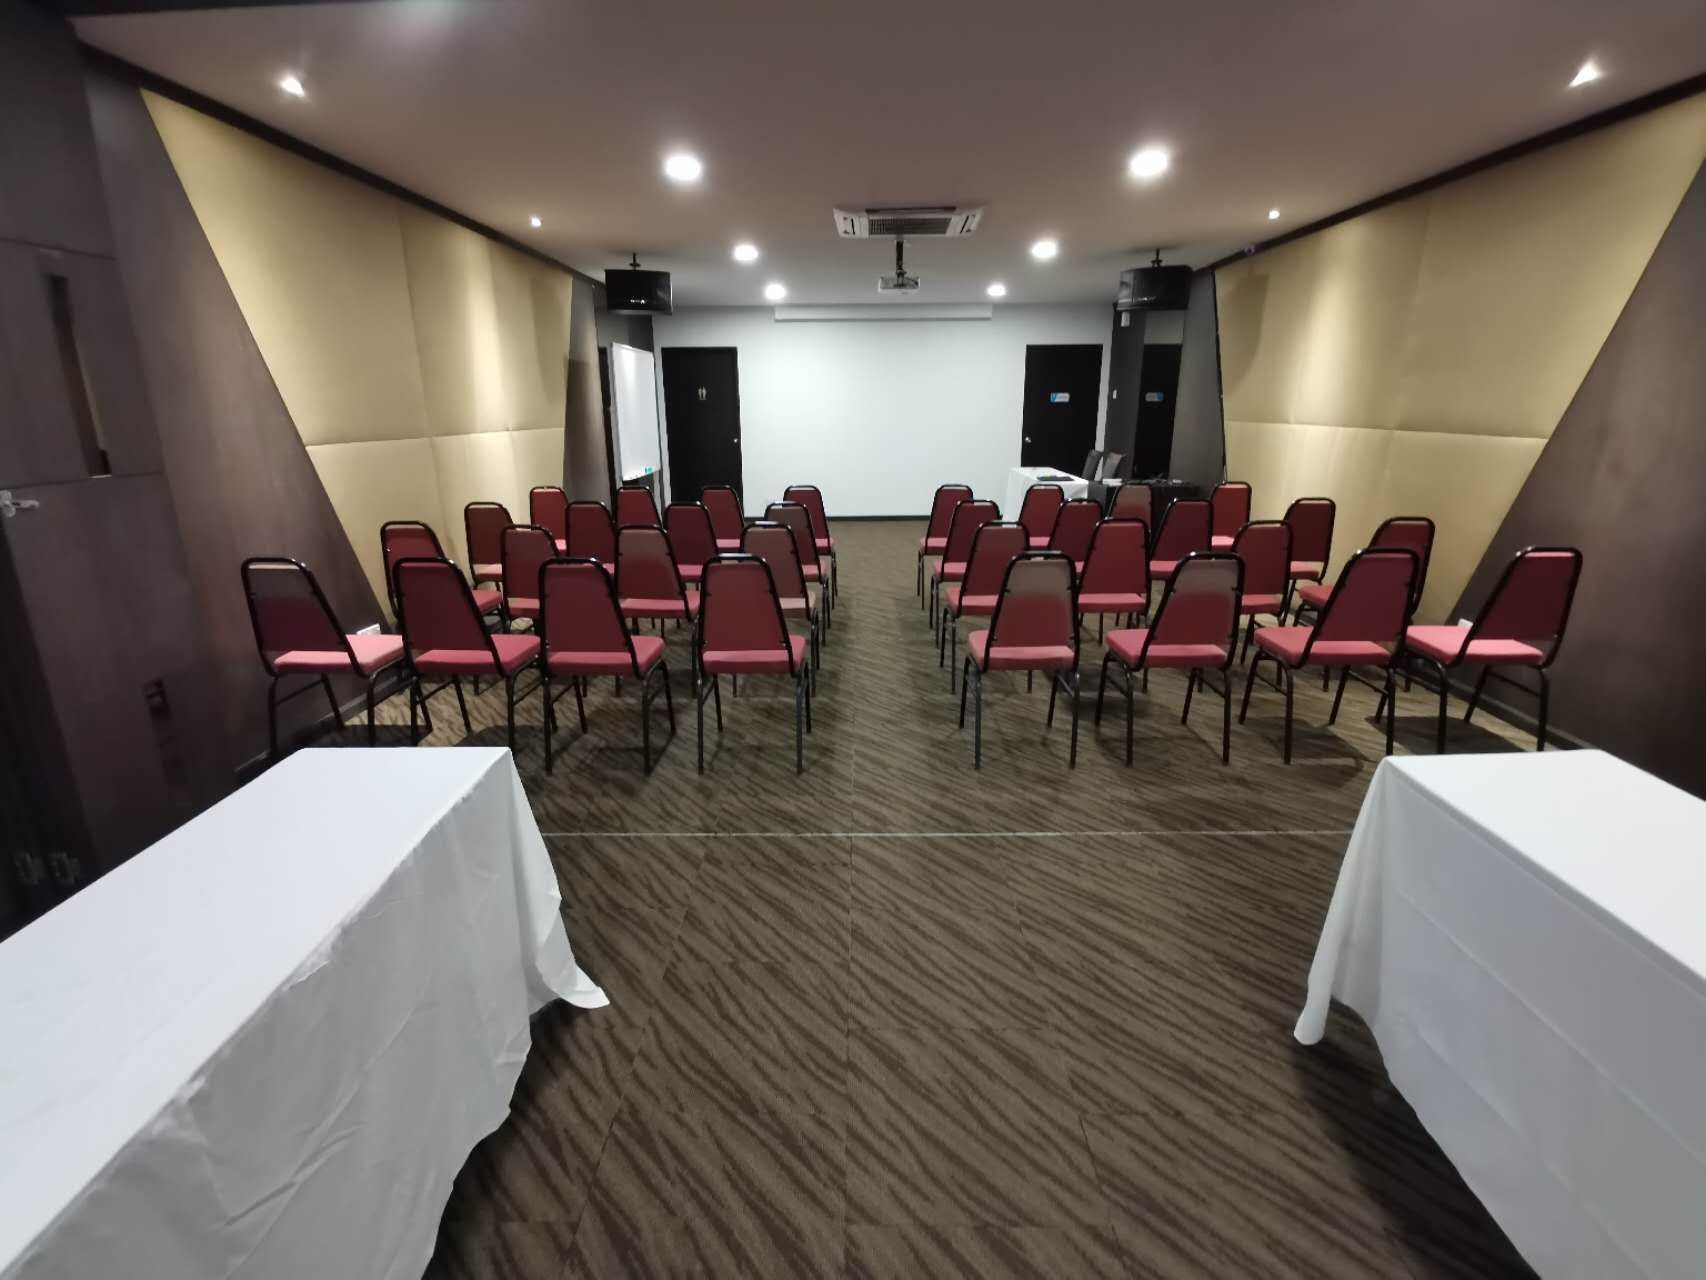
(701, 407)
(1062, 387)
(1158, 388)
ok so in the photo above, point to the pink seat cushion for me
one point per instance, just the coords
(1127, 645)
(1445, 644)
(932, 546)
(1112, 602)
(690, 572)
(1286, 644)
(372, 653)
(562, 545)
(488, 571)
(826, 546)
(951, 570)
(1019, 657)
(728, 544)
(640, 607)
(1314, 594)
(1311, 570)
(1039, 542)
(513, 652)
(813, 572)
(1221, 540)
(753, 661)
(1162, 568)
(523, 607)
(1261, 604)
(962, 604)
(606, 662)
(487, 598)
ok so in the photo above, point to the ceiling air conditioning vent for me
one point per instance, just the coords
(911, 221)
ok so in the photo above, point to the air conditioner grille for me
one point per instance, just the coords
(907, 222)
(904, 225)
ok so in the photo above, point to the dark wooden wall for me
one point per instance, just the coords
(1199, 427)
(1622, 478)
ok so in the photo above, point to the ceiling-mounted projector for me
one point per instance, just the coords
(901, 281)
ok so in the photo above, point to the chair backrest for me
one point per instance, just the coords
(436, 610)
(1311, 521)
(774, 544)
(404, 539)
(1231, 502)
(1092, 463)
(1187, 526)
(1370, 601)
(645, 566)
(796, 519)
(484, 523)
(1204, 593)
(691, 537)
(578, 611)
(635, 507)
(289, 611)
(948, 496)
(1133, 502)
(1531, 601)
(1041, 505)
(969, 516)
(993, 547)
(809, 497)
(1037, 607)
(741, 609)
(1118, 562)
(722, 504)
(1265, 548)
(548, 507)
(592, 533)
(1414, 533)
(1075, 528)
(1110, 465)
(526, 548)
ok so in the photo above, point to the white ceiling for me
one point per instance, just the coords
(564, 108)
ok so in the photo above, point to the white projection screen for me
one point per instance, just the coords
(634, 392)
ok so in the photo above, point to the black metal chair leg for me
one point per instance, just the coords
(1545, 693)
(1072, 692)
(977, 725)
(372, 733)
(332, 698)
(1226, 716)
(580, 704)
(550, 716)
(965, 683)
(509, 709)
(699, 705)
(1053, 689)
(1392, 706)
(646, 725)
(810, 681)
(467, 724)
(1102, 685)
(1475, 698)
(1249, 683)
(1289, 684)
(1190, 688)
(1029, 675)
(1444, 691)
(272, 719)
(414, 706)
(799, 726)
(717, 699)
(668, 697)
(1344, 674)
(1130, 713)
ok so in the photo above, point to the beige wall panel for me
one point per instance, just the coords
(1529, 264)
(371, 482)
(315, 261)
(1263, 304)
(538, 461)
(533, 308)
(1282, 461)
(456, 324)
(475, 468)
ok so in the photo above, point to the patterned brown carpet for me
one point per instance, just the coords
(897, 1018)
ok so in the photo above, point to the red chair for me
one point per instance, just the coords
(797, 520)
(1311, 521)
(1038, 511)
(648, 585)
(1034, 628)
(691, 538)
(1231, 503)
(584, 636)
(969, 516)
(591, 533)
(405, 539)
(1116, 573)
(723, 505)
(526, 548)
(548, 507)
(1074, 531)
(484, 524)
(1265, 548)
(993, 547)
(742, 632)
(636, 508)
(1133, 502)
(809, 497)
(443, 636)
(1521, 625)
(1186, 526)
(935, 539)
(1196, 630)
(1415, 533)
(1361, 625)
(297, 634)
(774, 544)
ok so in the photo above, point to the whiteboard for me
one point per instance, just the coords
(634, 401)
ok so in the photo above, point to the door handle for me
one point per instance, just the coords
(10, 506)
(1027, 439)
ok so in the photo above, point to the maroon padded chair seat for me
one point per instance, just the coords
(491, 572)
(1445, 644)
(1039, 542)
(1314, 594)
(754, 661)
(372, 653)
(1222, 541)
(690, 572)
(1261, 603)
(648, 651)
(662, 607)
(728, 544)
(562, 545)
(951, 570)
(487, 599)
(514, 652)
(1162, 568)
(1112, 602)
(1018, 657)
(960, 603)
(1286, 644)
(825, 546)
(524, 606)
(1127, 646)
(933, 546)
(1308, 570)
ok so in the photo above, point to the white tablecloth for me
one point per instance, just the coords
(1020, 479)
(264, 1046)
(1526, 936)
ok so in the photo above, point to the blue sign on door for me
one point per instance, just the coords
(1060, 397)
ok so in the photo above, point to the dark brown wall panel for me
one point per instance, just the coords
(241, 480)
(1621, 478)
(1199, 430)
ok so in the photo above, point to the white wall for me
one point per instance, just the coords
(877, 413)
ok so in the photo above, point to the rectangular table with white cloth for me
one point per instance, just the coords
(1525, 935)
(1020, 479)
(264, 1046)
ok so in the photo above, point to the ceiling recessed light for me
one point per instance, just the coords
(775, 291)
(1273, 215)
(997, 290)
(1045, 249)
(745, 252)
(1151, 162)
(1587, 75)
(682, 167)
(535, 222)
(292, 85)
